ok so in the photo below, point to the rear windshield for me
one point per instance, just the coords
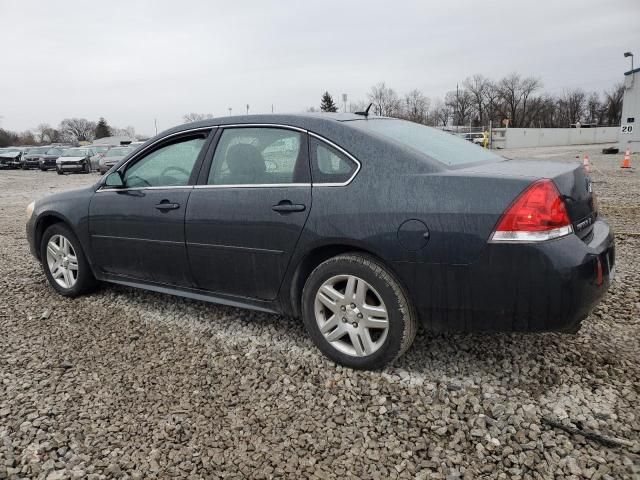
(444, 147)
(80, 152)
(38, 150)
(118, 152)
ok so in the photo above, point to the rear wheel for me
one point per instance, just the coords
(64, 262)
(357, 313)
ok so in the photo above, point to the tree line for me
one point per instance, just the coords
(70, 130)
(478, 100)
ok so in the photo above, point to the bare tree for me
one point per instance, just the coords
(47, 134)
(441, 113)
(415, 106)
(385, 100)
(571, 106)
(478, 87)
(595, 112)
(77, 129)
(196, 117)
(515, 92)
(613, 104)
(460, 103)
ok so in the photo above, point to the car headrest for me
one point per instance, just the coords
(245, 163)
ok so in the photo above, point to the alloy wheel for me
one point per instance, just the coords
(351, 315)
(62, 261)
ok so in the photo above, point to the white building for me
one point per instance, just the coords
(114, 141)
(629, 135)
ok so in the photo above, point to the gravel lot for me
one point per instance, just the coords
(130, 384)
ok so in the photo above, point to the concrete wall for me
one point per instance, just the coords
(549, 137)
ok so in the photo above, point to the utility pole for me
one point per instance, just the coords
(272, 108)
(229, 111)
(344, 101)
(247, 109)
(155, 122)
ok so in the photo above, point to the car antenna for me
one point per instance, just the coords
(366, 112)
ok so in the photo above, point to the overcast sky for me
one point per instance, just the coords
(133, 61)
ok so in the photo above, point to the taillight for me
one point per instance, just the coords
(538, 214)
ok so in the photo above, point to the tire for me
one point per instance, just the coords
(25, 167)
(42, 169)
(84, 280)
(382, 292)
(59, 172)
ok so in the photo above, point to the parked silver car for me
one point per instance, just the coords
(113, 156)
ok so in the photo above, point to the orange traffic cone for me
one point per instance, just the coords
(626, 163)
(585, 162)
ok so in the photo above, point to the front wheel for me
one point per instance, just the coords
(64, 262)
(60, 172)
(357, 313)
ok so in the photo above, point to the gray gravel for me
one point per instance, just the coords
(130, 384)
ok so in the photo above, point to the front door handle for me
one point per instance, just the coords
(167, 205)
(286, 206)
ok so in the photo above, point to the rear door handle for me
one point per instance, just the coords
(167, 205)
(286, 206)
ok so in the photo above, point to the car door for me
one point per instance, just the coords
(137, 231)
(246, 214)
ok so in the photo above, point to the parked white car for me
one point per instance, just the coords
(75, 160)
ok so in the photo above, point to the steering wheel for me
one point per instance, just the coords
(138, 179)
(178, 169)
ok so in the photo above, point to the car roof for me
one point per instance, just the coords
(302, 120)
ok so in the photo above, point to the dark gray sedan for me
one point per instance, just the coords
(362, 226)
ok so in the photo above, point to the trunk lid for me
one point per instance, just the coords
(570, 178)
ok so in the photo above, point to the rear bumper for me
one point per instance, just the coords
(528, 287)
(48, 163)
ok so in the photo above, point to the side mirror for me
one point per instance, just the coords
(114, 180)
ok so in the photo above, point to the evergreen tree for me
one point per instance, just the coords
(103, 129)
(327, 104)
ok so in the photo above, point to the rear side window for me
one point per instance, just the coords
(329, 165)
(170, 165)
(259, 156)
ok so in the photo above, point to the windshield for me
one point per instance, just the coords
(72, 152)
(117, 152)
(33, 151)
(100, 149)
(54, 151)
(444, 147)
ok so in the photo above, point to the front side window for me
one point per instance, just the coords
(170, 165)
(329, 165)
(259, 156)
